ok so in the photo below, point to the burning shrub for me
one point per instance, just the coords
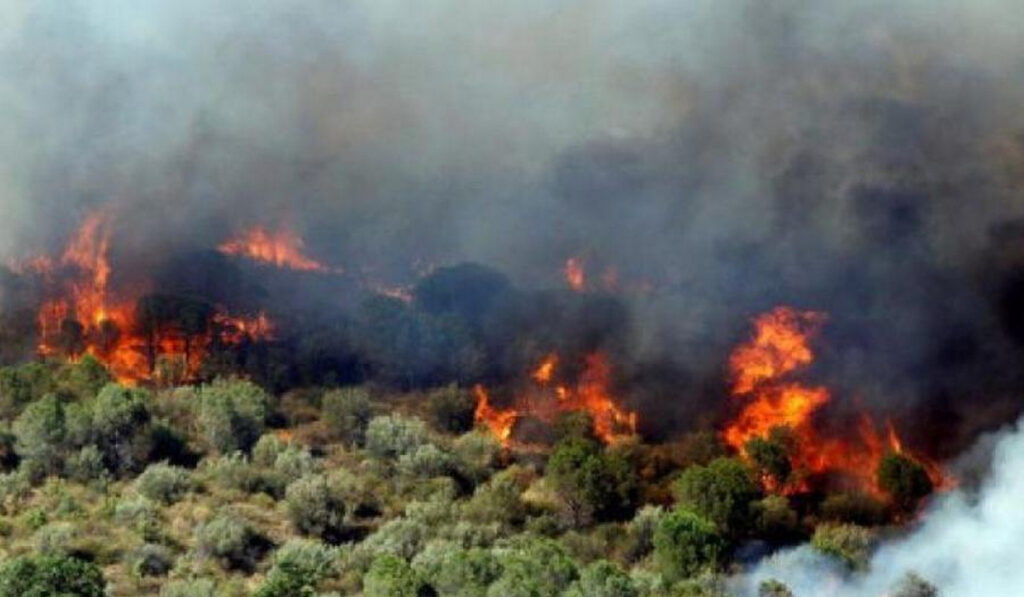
(721, 492)
(904, 480)
(231, 414)
(685, 544)
(771, 457)
(346, 414)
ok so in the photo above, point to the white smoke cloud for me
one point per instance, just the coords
(968, 545)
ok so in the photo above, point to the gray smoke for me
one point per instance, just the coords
(968, 544)
(858, 157)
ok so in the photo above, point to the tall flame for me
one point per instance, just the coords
(761, 371)
(281, 248)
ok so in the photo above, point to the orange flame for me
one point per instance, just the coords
(282, 249)
(545, 401)
(108, 330)
(779, 347)
(575, 276)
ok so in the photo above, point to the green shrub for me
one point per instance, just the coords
(50, 576)
(848, 543)
(773, 588)
(452, 410)
(532, 566)
(164, 483)
(856, 508)
(685, 544)
(453, 571)
(393, 436)
(231, 414)
(56, 538)
(592, 483)
(116, 422)
(150, 559)
(138, 513)
(86, 465)
(913, 585)
(41, 430)
(299, 567)
(603, 579)
(477, 456)
(721, 492)
(499, 500)
(390, 576)
(905, 481)
(316, 507)
(640, 533)
(232, 541)
(346, 414)
(426, 461)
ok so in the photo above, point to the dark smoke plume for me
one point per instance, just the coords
(860, 158)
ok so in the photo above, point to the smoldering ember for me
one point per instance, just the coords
(691, 298)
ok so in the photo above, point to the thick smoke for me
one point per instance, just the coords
(967, 546)
(861, 158)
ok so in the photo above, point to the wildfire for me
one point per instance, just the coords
(545, 400)
(282, 249)
(82, 315)
(761, 369)
(575, 275)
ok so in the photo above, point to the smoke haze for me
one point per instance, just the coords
(859, 158)
(967, 544)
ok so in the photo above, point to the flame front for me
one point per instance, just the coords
(82, 315)
(761, 371)
(545, 400)
(282, 249)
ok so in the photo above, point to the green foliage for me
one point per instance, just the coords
(164, 483)
(574, 425)
(138, 513)
(592, 483)
(452, 409)
(231, 540)
(41, 430)
(477, 455)
(346, 413)
(685, 544)
(773, 588)
(776, 520)
(499, 500)
(720, 492)
(83, 379)
(150, 559)
(533, 567)
(50, 576)
(603, 579)
(848, 543)
(231, 414)
(454, 571)
(316, 506)
(905, 481)
(23, 384)
(86, 465)
(299, 567)
(640, 532)
(426, 461)
(390, 576)
(392, 436)
(115, 422)
(770, 457)
(856, 508)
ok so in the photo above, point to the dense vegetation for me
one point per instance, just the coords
(224, 489)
